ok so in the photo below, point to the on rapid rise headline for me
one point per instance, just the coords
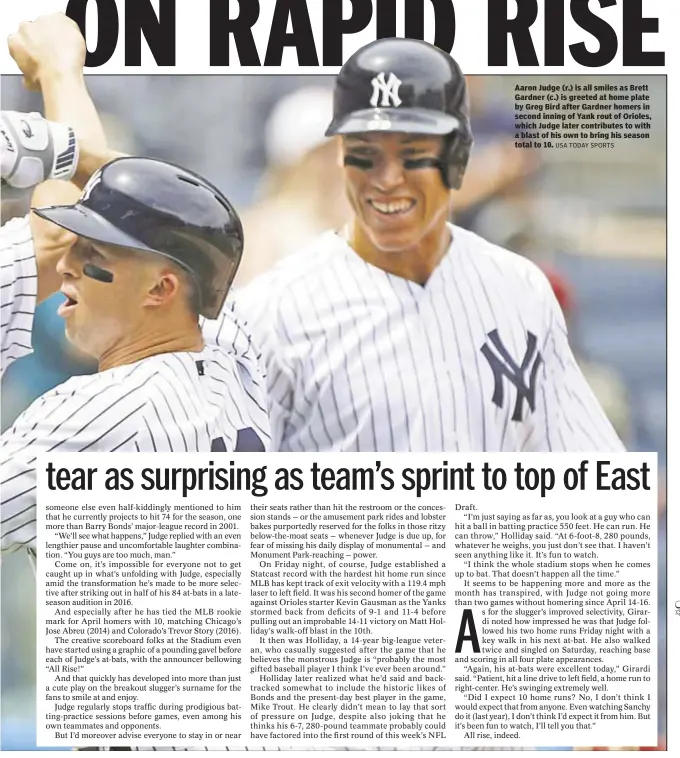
(292, 26)
(420, 480)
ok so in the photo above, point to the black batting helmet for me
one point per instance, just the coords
(406, 85)
(154, 206)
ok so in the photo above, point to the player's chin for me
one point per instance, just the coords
(395, 241)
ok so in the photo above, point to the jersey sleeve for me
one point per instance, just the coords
(19, 290)
(256, 308)
(568, 416)
(94, 419)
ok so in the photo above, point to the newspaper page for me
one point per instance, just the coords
(423, 232)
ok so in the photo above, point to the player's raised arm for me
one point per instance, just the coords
(50, 52)
(569, 418)
(32, 149)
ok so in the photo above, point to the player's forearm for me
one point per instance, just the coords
(67, 100)
(92, 159)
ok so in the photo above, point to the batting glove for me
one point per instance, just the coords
(34, 149)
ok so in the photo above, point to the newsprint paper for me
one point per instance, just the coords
(413, 251)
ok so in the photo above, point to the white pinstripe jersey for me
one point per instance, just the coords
(213, 400)
(19, 289)
(476, 360)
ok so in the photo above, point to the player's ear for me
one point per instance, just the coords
(163, 291)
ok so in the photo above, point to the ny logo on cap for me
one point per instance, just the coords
(388, 89)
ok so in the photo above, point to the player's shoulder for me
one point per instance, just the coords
(182, 373)
(128, 381)
(16, 225)
(499, 262)
(93, 412)
(16, 232)
(176, 373)
(230, 331)
(244, 363)
(303, 269)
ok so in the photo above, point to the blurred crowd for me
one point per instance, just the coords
(594, 220)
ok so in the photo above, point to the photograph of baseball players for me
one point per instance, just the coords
(416, 281)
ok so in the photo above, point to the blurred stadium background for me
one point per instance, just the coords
(595, 219)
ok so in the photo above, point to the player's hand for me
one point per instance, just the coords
(52, 45)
